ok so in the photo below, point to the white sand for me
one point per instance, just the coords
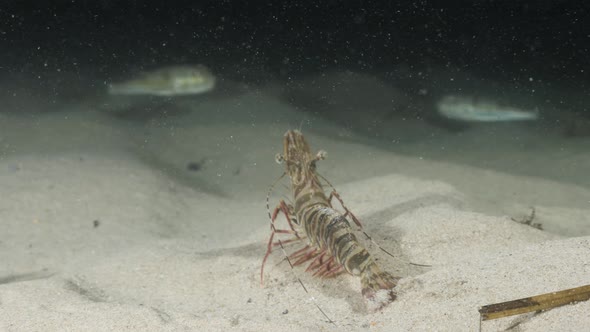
(178, 250)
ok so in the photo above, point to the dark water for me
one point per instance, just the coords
(375, 70)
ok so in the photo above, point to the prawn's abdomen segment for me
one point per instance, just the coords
(328, 229)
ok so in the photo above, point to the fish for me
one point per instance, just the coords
(168, 82)
(475, 109)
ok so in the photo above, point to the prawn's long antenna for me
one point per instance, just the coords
(301, 124)
(268, 193)
(357, 222)
(301, 282)
(274, 230)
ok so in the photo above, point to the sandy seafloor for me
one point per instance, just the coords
(103, 227)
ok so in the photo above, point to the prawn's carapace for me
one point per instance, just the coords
(331, 247)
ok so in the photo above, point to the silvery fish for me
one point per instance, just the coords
(168, 81)
(474, 109)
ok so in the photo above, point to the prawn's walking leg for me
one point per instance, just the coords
(288, 212)
(334, 194)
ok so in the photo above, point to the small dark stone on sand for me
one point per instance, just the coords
(194, 166)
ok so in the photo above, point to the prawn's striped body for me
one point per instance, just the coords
(332, 246)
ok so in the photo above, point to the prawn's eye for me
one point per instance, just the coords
(279, 158)
(312, 165)
(321, 155)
